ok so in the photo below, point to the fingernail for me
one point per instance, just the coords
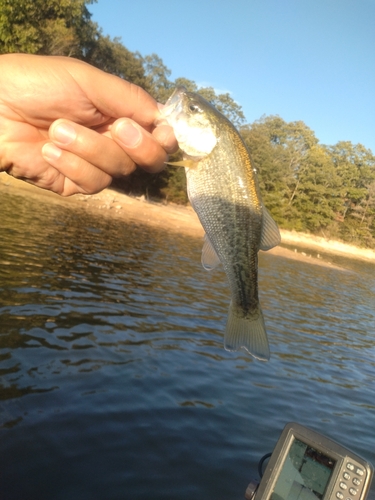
(50, 152)
(128, 134)
(63, 133)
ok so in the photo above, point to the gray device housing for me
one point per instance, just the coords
(350, 477)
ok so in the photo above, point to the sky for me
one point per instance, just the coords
(309, 60)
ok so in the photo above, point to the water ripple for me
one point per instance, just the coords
(113, 367)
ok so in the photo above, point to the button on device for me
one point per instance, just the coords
(359, 471)
(346, 475)
(356, 481)
(353, 491)
(350, 466)
(343, 485)
(339, 495)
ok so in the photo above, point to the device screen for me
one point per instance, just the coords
(305, 474)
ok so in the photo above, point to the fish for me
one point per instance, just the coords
(223, 190)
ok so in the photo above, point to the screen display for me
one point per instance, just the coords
(305, 474)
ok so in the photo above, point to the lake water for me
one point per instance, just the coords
(114, 380)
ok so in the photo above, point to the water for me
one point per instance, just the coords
(115, 383)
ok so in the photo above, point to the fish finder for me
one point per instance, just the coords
(306, 465)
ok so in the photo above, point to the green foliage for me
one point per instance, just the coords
(111, 56)
(225, 104)
(355, 166)
(157, 78)
(42, 26)
(328, 190)
(175, 188)
(279, 151)
(310, 187)
(161, 88)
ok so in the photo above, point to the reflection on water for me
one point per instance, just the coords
(115, 383)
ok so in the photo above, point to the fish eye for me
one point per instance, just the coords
(195, 108)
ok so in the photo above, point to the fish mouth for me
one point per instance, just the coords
(176, 96)
(173, 105)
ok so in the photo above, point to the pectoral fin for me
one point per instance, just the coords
(210, 258)
(182, 163)
(270, 232)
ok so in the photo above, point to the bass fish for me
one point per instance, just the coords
(223, 190)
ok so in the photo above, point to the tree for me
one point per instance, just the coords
(52, 27)
(364, 214)
(317, 198)
(269, 165)
(161, 88)
(225, 104)
(188, 84)
(279, 151)
(175, 185)
(111, 56)
(222, 102)
(355, 165)
(306, 186)
(64, 27)
(157, 75)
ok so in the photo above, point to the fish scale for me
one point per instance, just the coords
(230, 222)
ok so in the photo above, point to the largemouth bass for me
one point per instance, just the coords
(223, 190)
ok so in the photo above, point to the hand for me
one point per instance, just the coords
(70, 128)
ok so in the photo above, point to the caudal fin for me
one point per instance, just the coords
(247, 333)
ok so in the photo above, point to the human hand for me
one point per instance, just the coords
(70, 128)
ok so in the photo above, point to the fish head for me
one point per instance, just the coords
(194, 121)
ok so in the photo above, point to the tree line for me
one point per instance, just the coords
(307, 186)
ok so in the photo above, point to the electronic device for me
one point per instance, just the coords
(306, 465)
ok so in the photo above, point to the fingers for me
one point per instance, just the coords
(76, 175)
(165, 136)
(88, 160)
(97, 149)
(111, 95)
(149, 151)
(115, 97)
(115, 149)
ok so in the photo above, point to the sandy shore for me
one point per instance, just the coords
(111, 203)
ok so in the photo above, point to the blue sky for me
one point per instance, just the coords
(310, 60)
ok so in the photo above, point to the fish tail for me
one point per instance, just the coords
(247, 333)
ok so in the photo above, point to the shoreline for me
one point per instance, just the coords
(326, 245)
(182, 219)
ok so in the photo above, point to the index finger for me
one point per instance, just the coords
(115, 97)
